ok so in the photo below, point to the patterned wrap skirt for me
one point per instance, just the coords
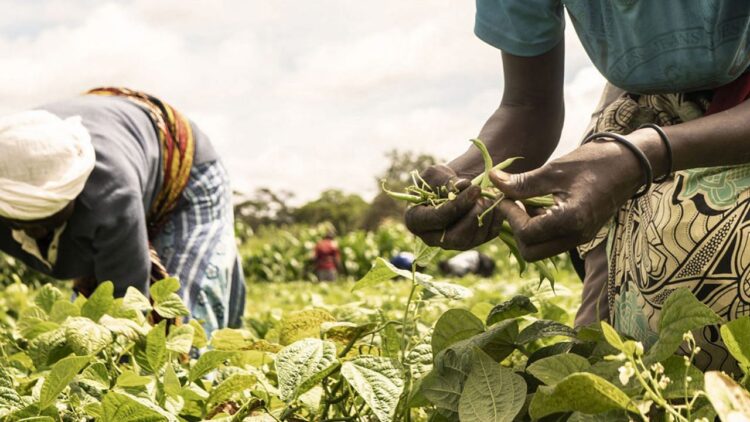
(197, 245)
(690, 232)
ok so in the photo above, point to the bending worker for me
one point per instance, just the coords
(117, 185)
(657, 197)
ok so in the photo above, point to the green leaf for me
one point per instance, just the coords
(581, 392)
(513, 308)
(136, 300)
(303, 364)
(209, 361)
(303, 324)
(491, 393)
(129, 378)
(445, 289)
(425, 254)
(681, 313)
(378, 381)
(60, 376)
(383, 271)
(344, 332)
(99, 302)
(235, 384)
(453, 326)
(542, 329)
(730, 400)
(180, 339)
(85, 336)
(63, 309)
(553, 369)
(123, 407)
(96, 375)
(232, 339)
(48, 348)
(171, 306)
(612, 337)
(156, 347)
(444, 384)
(47, 296)
(200, 340)
(172, 386)
(675, 369)
(125, 327)
(162, 289)
(736, 336)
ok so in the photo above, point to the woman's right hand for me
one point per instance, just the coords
(455, 224)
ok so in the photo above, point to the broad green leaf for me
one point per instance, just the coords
(37, 419)
(230, 387)
(581, 392)
(200, 340)
(162, 289)
(60, 376)
(445, 289)
(136, 300)
(124, 327)
(34, 321)
(491, 393)
(303, 324)
(47, 296)
(378, 381)
(344, 332)
(390, 341)
(542, 329)
(129, 378)
(96, 375)
(425, 254)
(553, 369)
(383, 271)
(612, 337)
(681, 313)
(63, 309)
(444, 384)
(731, 401)
(232, 339)
(172, 386)
(85, 336)
(123, 407)
(736, 336)
(48, 348)
(180, 339)
(171, 306)
(453, 326)
(156, 347)
(99, 302)
(209, 361)
(419, 360)
(303, 364)
(675, 369)
(513, 308)
(611, 416)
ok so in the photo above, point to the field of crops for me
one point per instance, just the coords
(386, 345)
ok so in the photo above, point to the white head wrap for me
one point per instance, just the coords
(44, 163)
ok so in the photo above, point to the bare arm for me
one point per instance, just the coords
(527, 123)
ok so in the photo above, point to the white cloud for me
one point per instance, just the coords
(296, 95)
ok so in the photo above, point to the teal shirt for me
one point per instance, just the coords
(641, 46)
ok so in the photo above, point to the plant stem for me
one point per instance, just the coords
(404, 328)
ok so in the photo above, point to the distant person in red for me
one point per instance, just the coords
(327, 258)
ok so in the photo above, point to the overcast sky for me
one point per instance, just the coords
(301, 95)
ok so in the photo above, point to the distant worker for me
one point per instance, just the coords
(327, 258)
(118, 186)
(403, 260)
(468, 262)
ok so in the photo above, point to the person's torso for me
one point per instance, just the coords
(325, 253)
(657, 46)
(128, 159)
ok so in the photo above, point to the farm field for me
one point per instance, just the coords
(389, 345)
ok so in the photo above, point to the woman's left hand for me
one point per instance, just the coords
(589, 185)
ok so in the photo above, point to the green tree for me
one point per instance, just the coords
(344, 211)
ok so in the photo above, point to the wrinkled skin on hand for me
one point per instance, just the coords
(453, 225)
(589, 185)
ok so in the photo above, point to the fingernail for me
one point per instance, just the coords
(501, 176)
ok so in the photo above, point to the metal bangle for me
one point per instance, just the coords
(648, 173)
(667, 144)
